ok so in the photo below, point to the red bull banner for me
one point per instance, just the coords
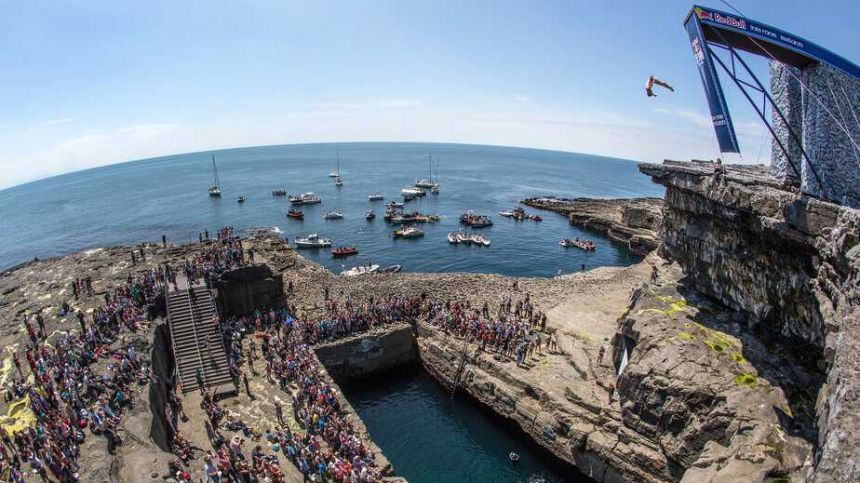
(725, 131)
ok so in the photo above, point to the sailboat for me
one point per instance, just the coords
(337, 180)
(427, 182)
(216, 189)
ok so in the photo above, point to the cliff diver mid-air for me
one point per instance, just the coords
(650, 84)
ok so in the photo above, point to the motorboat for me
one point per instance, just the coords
(305, 199)
(586, 245)
(408, 232)
(312, 241)
(332, 175)
(408, 197)
(360, 270)
(463, 238)
(435, 189)
(296, 214)
(391, 269)
(333, 215)
(370, 215)
(215, 189)
(310, 199)
(338, 181)
(452, 238)
(475, 221)
(375, 197)
(507, 213)
(535, 218)
(479, 240)
(240, 199)
(393, 204)
(412, 190)
(341, 252)
(279, 193)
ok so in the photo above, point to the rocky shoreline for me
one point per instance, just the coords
(634, 221)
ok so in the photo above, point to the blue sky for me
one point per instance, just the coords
(90, 83)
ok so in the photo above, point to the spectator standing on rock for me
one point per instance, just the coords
(600, 354)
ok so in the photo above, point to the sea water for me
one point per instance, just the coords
(431, 437)
(143, 200)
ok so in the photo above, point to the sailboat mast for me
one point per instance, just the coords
(338, 163)
(215, 170)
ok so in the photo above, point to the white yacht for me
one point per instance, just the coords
(333, 215)
(305, 199)
(360, 270)
(412, 191)
(376, 197)
(313, 241)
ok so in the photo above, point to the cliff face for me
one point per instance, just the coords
(788, 266)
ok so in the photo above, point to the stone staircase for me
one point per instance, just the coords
(197, 342)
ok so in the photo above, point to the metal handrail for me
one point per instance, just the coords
(196, 338)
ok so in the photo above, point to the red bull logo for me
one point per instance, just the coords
(703, 14)
(730, 21)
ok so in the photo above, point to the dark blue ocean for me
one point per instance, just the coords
(141, 200)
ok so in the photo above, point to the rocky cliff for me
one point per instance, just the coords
(634, 221)
(788, 266)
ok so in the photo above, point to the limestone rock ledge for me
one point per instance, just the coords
(634, 221)
(720, 406)
(578, 428)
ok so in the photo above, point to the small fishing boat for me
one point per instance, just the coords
(514, 457)
(507, 213)
(279, 193)
(370, 215)
(332, 175)
(393, 204)
(535, 218)
(360, 270)
(391, 269)
(408, 232)
(338, 181)
(479, 240)
(313, 241)
(463, 238)
(586, 245)
(215, 190)
(296, 214)
(452, 238)
(333, 215)
(341, 252)
(375, 197)
(435, 189)
(240, 199)
(408, 197)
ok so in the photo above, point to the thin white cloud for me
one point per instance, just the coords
(522, 98)
(56, 122)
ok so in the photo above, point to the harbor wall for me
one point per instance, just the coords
(370, 354)
(243, 290)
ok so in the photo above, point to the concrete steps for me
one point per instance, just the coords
(197, 342)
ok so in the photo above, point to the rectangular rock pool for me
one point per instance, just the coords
(430, 437)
